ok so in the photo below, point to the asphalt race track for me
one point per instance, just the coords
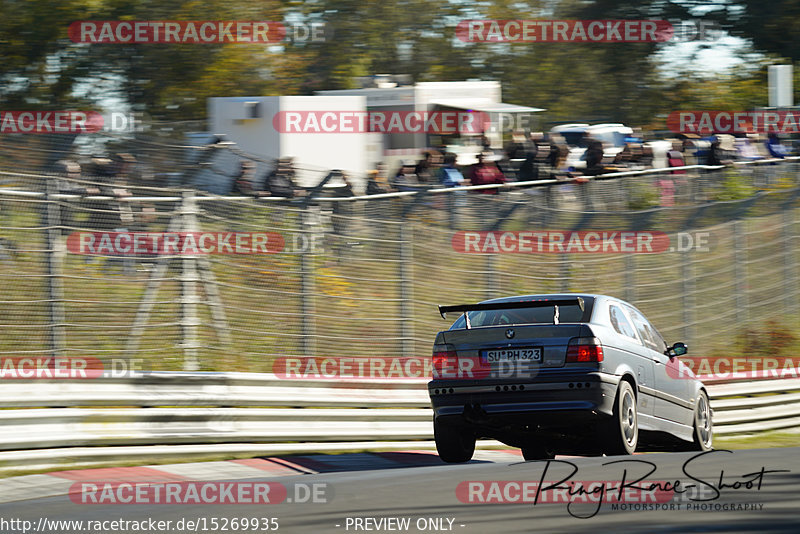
(739, 491)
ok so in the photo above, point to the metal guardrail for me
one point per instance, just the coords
(755, 406)
(178, 415)
(400, 194)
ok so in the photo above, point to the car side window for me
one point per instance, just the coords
(620, 322)
(646, 331)
(661, 345)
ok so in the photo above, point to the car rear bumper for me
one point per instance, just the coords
(540, 401)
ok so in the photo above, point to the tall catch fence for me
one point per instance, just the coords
(361, 276)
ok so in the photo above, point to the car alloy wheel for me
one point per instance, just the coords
(703, 425)
(622, 430)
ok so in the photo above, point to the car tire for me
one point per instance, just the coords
(454, 444)
(703, 425)
(539, 451)
(621, 431)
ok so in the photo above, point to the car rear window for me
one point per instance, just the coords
(544, 315)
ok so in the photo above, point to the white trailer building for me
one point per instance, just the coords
(481, 96)
(252, 123)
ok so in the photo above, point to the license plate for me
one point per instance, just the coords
(533, 354)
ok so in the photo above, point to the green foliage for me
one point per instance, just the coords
(641, 196)
(773, 340)
(772, 26)
(734, 186)
(41, 68)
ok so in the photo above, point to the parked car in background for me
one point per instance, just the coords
(566, 373)
(612, 135)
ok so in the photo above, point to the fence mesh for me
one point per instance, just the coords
(363, 277)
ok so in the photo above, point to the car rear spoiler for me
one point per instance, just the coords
(515, 305)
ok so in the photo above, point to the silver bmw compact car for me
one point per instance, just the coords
(566, 374)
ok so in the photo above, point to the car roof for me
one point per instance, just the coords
(575, 127)
(610, 129)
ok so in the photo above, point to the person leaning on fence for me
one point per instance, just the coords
(109, 215)
(243, 179)
(380, 208)
(714, 154)
(689, 148)
(342, 209)
(423, 168)
(594, 158)
(449, 175)
(374, 187)
(340, 217)
(487, 172)
(405, 179)
(529, 168)
(557, 158)
(775, 147)
(280, 182)
(70, 171)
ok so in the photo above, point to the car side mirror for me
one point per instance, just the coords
(678, 349)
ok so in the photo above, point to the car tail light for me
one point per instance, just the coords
(584, 349)
(444, 358)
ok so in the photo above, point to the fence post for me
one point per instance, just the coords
(789, 260)
(548, 215)
(740, 271)
(189, 279)
(688, 274)
(406, 266)
(54, 270)
(630, 278)
(490, 284)
(307, 305)
(565, 273)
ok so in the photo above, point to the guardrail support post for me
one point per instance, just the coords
(54, 270)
